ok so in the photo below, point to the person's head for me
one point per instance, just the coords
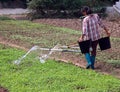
(86, 10)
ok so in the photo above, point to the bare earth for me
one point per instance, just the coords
(75, 24)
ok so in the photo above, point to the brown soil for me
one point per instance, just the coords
(3, 89)
(69, 23)
(15, 44)
(75, 24)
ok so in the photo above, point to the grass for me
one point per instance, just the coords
(52, 76)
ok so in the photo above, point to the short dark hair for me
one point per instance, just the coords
(86, 9)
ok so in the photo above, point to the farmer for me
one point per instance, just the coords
(91, 24)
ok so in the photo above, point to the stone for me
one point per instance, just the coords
(117, 6)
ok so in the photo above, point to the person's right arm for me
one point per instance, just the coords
(84, 29)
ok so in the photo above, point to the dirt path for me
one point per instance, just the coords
(7, 43)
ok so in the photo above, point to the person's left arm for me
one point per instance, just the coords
(103, 26)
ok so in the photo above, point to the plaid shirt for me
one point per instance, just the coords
(91, 26)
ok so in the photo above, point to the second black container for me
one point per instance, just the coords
(104, 43)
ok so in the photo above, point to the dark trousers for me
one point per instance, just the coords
(91, 58)
(94, 47)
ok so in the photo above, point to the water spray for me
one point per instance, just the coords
(43, 58)
(20, 59)
(46, 56)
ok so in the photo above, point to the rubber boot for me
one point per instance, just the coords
(88, 59)
(92, 62)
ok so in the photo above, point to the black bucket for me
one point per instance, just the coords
(104, 43)
(84, 46)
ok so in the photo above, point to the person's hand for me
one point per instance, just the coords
(108, 33)
(80, 39)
